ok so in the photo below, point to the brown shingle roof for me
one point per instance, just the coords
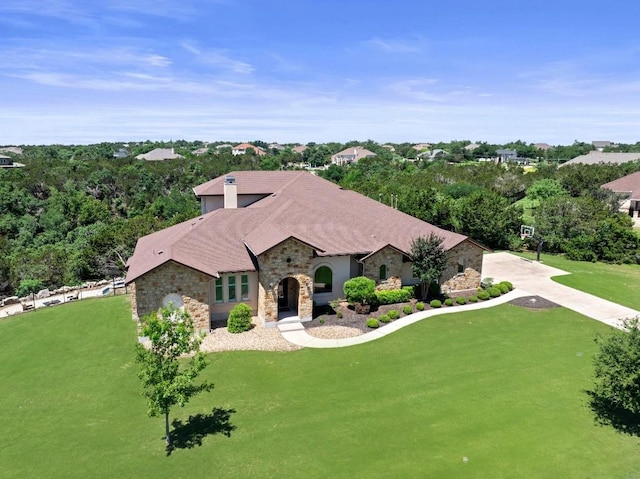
(627, 184)
(596, 157)
(297, 204)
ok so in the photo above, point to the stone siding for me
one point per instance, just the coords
(393, 261)
(469, 255)
(172, 278)
(289, 259)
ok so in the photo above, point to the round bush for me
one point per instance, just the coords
(239, 318)
(372, 323)
(360, 290)
(461, 300)
(420, 306)
(393, 314)
(435, 303)
(473, 299)
(384, 318)
(407, 309)
(508, 284)
(494, 292)
(483, 295)
(504, 289)
(448, 302)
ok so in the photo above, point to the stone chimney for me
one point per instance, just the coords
(230, 192)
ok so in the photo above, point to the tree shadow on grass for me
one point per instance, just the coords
(188, 434)
(609, 414)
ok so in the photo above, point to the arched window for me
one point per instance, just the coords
(323, 280)
(174, 299)
(383, 272)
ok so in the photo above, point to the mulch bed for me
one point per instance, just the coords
(351, 319)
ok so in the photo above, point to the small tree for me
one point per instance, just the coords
(429, 260)
(239, 318)
(359, 290)
(617, 368)
(166, 380)
(28, 286)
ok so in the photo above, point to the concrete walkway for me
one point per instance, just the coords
(529, 279)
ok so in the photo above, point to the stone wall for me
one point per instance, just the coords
(393, 261)
(172, 278)
(468, 257)
(291, 259)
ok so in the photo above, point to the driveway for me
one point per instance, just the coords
(535, 278)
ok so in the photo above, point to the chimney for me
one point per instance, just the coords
(230, 192)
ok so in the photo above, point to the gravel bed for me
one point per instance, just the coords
(334, 332)
(258, 338)
(534, 302)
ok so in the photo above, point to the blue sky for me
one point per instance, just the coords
(85, 71)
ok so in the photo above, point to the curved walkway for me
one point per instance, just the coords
(528, 277)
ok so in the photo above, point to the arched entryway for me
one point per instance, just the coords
(288, 297)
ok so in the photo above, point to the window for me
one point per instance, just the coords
(244, 287)
(173, 299)
(232, 289)
(461, 267)
(219, 291)
(323, 280)
(383, 272)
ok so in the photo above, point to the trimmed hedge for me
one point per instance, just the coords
(504, 289)
(420, 306)
(448, 302)
(483, 295)
(494, 292)
(473, 299)
(239, 319)
(373, 323)
(393, 314)
(393, 296)
(508, 284)
(384, 318)
(435, 303)
(407, 309)
(461, 300)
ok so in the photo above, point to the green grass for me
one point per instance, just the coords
(503, 387)
(614, 282)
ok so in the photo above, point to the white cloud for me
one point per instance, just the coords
(415, 45)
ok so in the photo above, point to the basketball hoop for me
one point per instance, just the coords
(526, 232)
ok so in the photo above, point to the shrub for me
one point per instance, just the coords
(420, 306)
(508, 283)
(487, 283)
(321, 320)
(494, 292)
(473, 299)
(28, 286)
(461, 300)
(393, 296)
(372, 323)
(393, 314)
(360, 290)
(504, 289)
(407, 309)
(384, 318)
(239, 318)
(435, 303)
(448, 302)
(339, 314)
(483, 295)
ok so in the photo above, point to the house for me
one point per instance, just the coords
(472, 146)
(121, 153)
(506, 155)
(160, 154)
(598, 157)
(201, 151)
(242, 148)
(300, 149)
(7, 162)
(601, 145)
(628, 187)
(542, 146)
(351, 155)
(281, 241)
(421, 146)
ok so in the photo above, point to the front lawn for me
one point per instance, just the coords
(491, 393)
(614, 282)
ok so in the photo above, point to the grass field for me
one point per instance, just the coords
(615, 282)
(503, 387)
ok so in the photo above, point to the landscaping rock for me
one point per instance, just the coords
(10, 300)
(43, 293)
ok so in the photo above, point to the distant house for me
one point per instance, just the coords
(276, 146)
(160, 154)
(282, 241)
(600, 145)
(598, 157)
(7, 162)
(542, 146)
(299, 149)
(201, 151)
(628, 187)
(121, 153)
(351, 155)
(389, 147)
(432, 154)
(242, 148)
(472, 146)
(421, 146)
(506, 155)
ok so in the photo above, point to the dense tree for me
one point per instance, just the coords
(429, 260)
(167, 380)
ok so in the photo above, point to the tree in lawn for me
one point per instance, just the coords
(166, 379)
(616, 391)
(429, 261)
